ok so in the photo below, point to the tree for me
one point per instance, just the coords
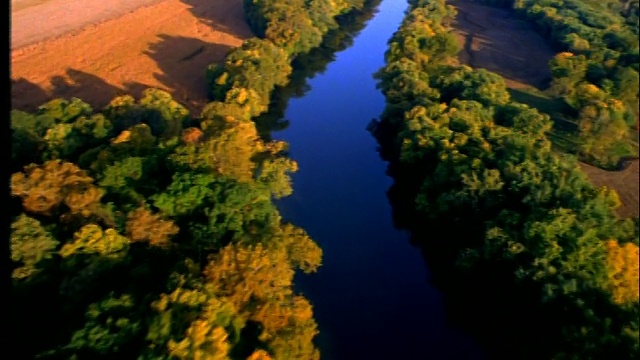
(65, 111)
(187, 194)
(45, 188)
(228, 152)
(111, 325)
(30, 244)
(92, 239)
(257, 281)
(602, 128)
(622, 272)
(258, 65)
(143, 225)
(27, 137)
(157, 109)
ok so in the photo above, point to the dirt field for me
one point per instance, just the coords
(625, 182)
(493, 40)
(61, 17)
(119, 47)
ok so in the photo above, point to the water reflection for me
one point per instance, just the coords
(307, 66)
(371, 297)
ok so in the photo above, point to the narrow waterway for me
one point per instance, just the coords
(371, 298)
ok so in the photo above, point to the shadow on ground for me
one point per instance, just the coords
(27, 96)
(183, 62)
(223, 18)
(495, 40)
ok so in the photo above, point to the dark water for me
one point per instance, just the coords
(371, 298)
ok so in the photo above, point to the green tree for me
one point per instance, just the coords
(30, 244)
(92, 239)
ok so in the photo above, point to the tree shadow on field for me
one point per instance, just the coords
(225, 16)
(183, 63)
(497, 40)
(27, 96)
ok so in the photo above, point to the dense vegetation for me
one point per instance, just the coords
(141, 231)
(595, 73)
(516, 235)
(131, 240)
(308, 65)
(288, 28)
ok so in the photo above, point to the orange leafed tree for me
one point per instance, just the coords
(43, 188)
(258, 281)
(622, 272)
(143, 225)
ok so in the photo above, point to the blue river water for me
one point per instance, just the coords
(372, 298)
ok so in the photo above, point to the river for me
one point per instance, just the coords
(372, 298)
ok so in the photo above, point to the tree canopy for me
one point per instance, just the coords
(471, 163)
(142, 231)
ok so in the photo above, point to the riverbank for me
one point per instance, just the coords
(372, 279)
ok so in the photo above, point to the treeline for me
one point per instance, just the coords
(306, 66)
(595, 71)
(515, 234)
(287, 29)
(297, 26)
(133, 238)
(141, 231)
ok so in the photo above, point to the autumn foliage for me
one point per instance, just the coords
(142, 231)
(501, 215)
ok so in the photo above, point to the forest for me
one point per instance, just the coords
(143, 231)
(515, 233)
(179, 205)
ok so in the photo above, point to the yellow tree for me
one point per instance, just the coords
(202, 341)
(302, 252)
(92, 239)
(260, 355)
(602, 128)
(143, 225)
(44, 188)
(622, 272)
(228, 148)
(258, 281)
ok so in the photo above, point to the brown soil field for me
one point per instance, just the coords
(166, 44)
(494, 40)
(626, 183)
(39, 20)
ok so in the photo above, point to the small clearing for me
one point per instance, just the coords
(493, 39)
(626, 183)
